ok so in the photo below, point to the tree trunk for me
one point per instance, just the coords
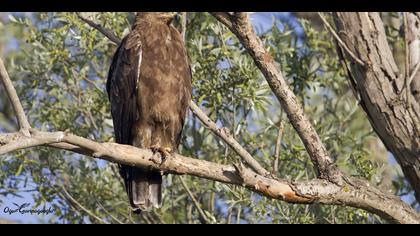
(393, 112)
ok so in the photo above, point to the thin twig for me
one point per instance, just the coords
(332, 31)
(238, 215)
(74, 201)
(108, 213)
(407, 57)
(407, 49)
(188, 210)
(229, 216)
(14, 99)
(227, 137)
(110, 35)
(194, 200)
(413, 74)
(277, 148)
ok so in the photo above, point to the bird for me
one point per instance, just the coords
(149, 89)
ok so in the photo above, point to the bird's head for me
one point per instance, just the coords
(165, 17)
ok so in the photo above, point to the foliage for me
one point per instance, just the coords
(60, 68)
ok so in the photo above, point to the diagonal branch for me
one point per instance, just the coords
(194, 200)
(66, 195)
(14, 99)
(240, 25)
(109, 34)
(414, 74)
(227, 137)
(340, 42)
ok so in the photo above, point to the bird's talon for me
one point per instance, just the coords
(165, 152)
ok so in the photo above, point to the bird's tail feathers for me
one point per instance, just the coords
(144, 188)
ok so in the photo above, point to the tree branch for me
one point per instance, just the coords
(183, 24)
(195, 202)
(66, 195)
(109, 34)
(240, 25)
(277, 148)
(339, 41)
(394, 118)
(360, 194)
(413, 36)
(224, 134)
(14, 99)
(407, 76)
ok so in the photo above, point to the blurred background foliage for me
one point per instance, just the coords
(59, 66)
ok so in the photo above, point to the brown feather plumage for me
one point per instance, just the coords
(149, 87)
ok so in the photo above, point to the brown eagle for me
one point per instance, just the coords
(149, 88)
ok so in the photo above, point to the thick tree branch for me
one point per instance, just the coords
(394, 118)
(14, 99)
(240, 25)
(359, 194)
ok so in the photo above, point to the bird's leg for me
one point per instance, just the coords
(164, 151)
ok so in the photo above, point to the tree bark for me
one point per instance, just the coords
(393, 113)
(413, 35)
(357, 193)
(240, 25)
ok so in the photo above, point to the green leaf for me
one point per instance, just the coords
(19, 170)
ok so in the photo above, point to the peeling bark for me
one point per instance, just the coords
(357, 193)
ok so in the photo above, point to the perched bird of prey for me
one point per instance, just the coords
(149, 88)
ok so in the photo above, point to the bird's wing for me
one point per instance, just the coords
(185, 99)
(122, 86)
